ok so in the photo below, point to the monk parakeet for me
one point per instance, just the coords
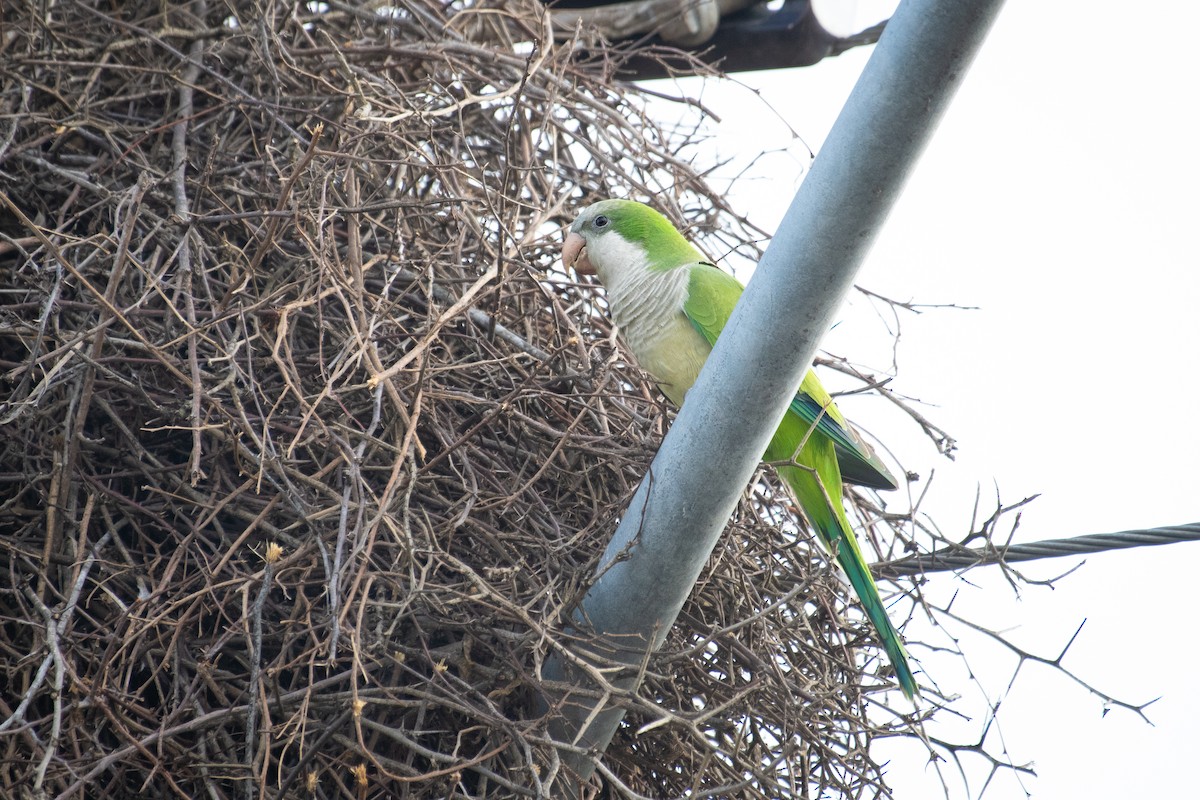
(670, 304)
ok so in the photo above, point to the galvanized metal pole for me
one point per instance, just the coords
(722, 430)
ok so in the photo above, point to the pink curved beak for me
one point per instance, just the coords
(574, 254)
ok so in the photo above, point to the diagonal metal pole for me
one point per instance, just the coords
(717, 441)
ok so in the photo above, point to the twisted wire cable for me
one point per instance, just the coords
(955, 558)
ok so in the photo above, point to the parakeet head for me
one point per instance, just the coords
(612, 236)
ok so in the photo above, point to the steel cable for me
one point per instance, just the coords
(954, 558)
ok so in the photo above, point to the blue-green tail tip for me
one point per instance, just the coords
(900, 663)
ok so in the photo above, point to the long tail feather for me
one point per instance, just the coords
(825, 512)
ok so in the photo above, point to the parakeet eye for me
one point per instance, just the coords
(600, 221)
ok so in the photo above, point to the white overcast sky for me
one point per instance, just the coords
(1059, 196)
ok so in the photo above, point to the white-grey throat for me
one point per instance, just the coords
(643, 302)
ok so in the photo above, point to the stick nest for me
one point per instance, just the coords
(309, 445)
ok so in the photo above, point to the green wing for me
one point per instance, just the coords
(712, 294)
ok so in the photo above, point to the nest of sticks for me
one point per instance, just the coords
(309, 444)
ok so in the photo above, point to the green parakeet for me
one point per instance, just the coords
(670, 304)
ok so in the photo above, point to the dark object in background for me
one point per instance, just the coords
(750, 38)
